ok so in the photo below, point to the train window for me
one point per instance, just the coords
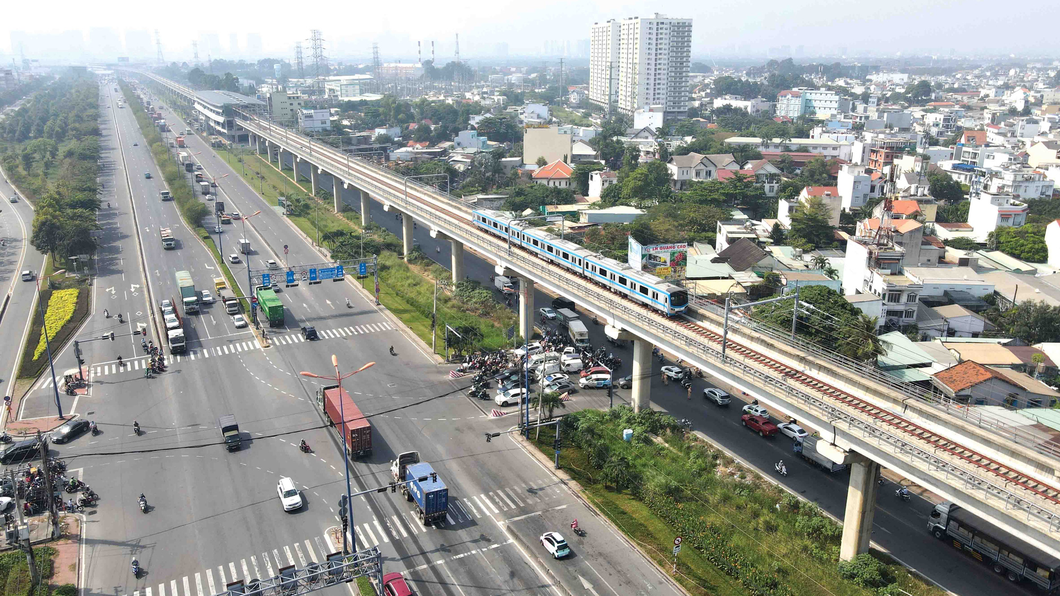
(621, 280)
(566, 256)
(643, 290)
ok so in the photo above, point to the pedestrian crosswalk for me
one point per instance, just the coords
(337, 333)
(364, 533)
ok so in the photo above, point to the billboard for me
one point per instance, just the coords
(665, 255)
(634, 254)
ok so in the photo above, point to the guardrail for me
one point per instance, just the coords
(381, 183)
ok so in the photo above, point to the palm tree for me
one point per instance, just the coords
(820, 262)
(859, 339)
(547, 401)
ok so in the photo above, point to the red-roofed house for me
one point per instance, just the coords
(905, 209)
(556, 174)
(974, 137)
(972, 383)
(908, 234)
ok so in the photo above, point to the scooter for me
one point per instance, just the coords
(95, 429)
(136, 568)
(305, 447)
(5, 438)
(578, 531)
(120, 319)
(902, 493)
(781, 469)
(136, 428)
(143, 505)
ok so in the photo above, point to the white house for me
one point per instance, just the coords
(314, 120)
(989, 211)
(696, 167)
(854, 186)
(535, 113)
(599, 180)
(648, 117)
(829, 195)
(469, 139)
(1052, 240)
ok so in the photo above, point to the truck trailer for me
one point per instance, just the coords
(344, 415)
(578, 333)
(189, 299)
(426, 489)
(270, 306)
(807, 449)
(167, 238)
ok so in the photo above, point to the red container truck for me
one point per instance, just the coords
(355, 429)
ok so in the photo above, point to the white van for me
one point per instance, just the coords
(27, 275)
(547, 368)
(536, 359)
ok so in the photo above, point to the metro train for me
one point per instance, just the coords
(647, 289)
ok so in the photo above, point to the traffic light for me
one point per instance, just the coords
(556, 444)
(343, 502)
(393, 487)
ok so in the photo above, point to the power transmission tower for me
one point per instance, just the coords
(320, 61)
(299, 64)
(376, 65)
(195, 52)
(562, 86)
(158, 44)
(458, 74)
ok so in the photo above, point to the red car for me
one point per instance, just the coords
(394, 585)
(596, 369)
(761, 424)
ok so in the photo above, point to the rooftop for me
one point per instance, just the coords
(966, 375)
(225, 98)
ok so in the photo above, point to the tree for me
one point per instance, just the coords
(920, 91)
(962, 243)
(1025, 242)
(809, 225)
(648, 185)
(819, 261)
(777, 234)
(944, 188)
(581, 176)
(858, 339)
(953, 213)
(383, 139)
(816, 172)
(546, 402)
(1033, 322)
(829, 320)
(541, 162)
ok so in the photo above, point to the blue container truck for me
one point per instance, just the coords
(427, 490)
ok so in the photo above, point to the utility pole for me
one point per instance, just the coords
(48, 483)
(434, 312)
(23, 538)
(158, 45)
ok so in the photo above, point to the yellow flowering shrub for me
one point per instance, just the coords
(61, 307)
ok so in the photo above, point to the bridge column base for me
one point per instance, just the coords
(641, 390)
(526, 308)
(336, 192)
(861, 505)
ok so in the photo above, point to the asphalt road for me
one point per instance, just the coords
(215, 516)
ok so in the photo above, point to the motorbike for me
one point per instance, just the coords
(136, 428)
(147, 373)
(902, 493)
(781, 469)
(74, 485)
(478, 394)
(136, 568)
(305, 447)
(5, 438)
(120, 319)
(95, 429)
(578, 531)
(143, 505)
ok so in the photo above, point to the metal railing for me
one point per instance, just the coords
(933, 462)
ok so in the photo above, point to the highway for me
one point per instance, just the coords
(215, 516)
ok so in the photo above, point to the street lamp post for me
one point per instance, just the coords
(250, 285)
(48, 347)
(345, 442)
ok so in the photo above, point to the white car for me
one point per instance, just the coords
(756, 410)
(674, 373)
(288, 493)
(166, 304)
(207, 297)
(172, 322)
(512, 396)
(547, 313)
(233, 258)
(271, 264)
(571, 364)
(555, 544)
(240, 321)
(533, 347)
(790, 429)
(552, 378)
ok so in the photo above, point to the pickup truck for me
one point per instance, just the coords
(761, 424)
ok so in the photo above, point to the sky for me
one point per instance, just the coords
(78, 30)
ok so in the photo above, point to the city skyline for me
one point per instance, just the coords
(487, 31)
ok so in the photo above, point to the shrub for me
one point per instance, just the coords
(865, 571)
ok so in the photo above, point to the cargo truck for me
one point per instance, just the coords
(175, 336)
(807, 449)
(204, 187)
(188, 298)
(355, 429)
(578, 333)
(180, 142)
(230, 432)
(270, 306)
(504, 284)
(426, 489)
(165, 195)
(189, 167)
(565, 316)
(167, 238)
(219, 284)
(244, 245)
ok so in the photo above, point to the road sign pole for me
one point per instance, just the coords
(375, 266)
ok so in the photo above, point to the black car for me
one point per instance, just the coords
(310, 333)
(20, 452)
(70, 431)
(559, 302)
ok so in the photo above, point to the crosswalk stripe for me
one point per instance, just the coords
(221, 572)
(349, 330)
(419, 523)
(238, 347)
(161, 589)
(472, 508)
(323, 551)
(497, 501)
(198, 584)
(254, 564)
(411, 525)
(209, 581)
(360, 536)
(514, 496)
(397, 524)
(449, 519)
(371, 535)
(287, 551)
(298, 551)
(187, 586)
(246, 571)
(225, 348)
(276, 555)
(268, 564)
(381, 532)
(232, 568)
(173, 587)
(343, 332)
(487, 502)
(206, 353)
(147, 591)
(136, 593)
(309, 549)
(506, 499)
(463, 510)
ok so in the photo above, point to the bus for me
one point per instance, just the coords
(1003, 552)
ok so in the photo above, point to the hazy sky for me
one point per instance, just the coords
(349, 28)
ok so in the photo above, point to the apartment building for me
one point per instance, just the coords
(1020, 181)
(874, 265)
(284, 106)
(314, 120)
(603, 63)
(654, 56)
(825, 147)
(989, 211)
(818, 103)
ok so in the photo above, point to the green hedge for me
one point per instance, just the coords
(15, 577)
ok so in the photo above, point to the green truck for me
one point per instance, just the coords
(270, 306)
(188, 297)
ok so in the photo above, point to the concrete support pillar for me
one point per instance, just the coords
(526, 307)
(861, 505)
(641, 391)
(268, 150)
(336, 191)
(314, 178)
(456, 247)
(366, 216)
(406, 234)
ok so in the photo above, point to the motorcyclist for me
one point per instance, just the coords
(92, 427)
(119, 318)
(348, 303)
(574, 525)
(392, 352)
(781, 467)
(106, 313)
(136, 427)
(903, 492)
(119, 362)
(303, 445)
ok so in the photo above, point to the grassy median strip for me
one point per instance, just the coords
(742, 534)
